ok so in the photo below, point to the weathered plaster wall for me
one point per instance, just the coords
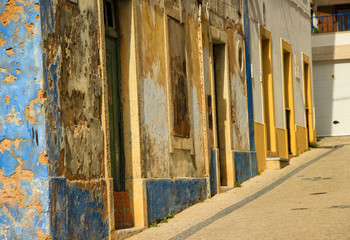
(75, 138)
(153, 91)
(24, 184)
(160, 165)
(72, 44)
(227, 16)
(221, 11)
(147, 94)
(298, 35)
(240, 124)
(158, 161)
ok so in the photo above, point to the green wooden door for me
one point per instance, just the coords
(114, 97)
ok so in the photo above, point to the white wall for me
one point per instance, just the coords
(292, 23)
(330, 39)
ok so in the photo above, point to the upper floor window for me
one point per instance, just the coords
(331, 18)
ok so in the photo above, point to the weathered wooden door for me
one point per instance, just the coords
(114, 96)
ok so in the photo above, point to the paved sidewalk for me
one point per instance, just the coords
(309, 199)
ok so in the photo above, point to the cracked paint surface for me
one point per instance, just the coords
(24, 190)
(73, 87)
(51, 139)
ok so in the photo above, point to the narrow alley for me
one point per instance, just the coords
(309, 199)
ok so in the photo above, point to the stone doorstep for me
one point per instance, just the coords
(225, 188)
(276, 163)
(122, 234)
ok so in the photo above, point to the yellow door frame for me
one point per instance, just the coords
(267, 92)
(289, 94)
(308, 99)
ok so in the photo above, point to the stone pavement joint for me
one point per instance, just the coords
(192, 230)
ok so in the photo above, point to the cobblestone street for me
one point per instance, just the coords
(309, 199)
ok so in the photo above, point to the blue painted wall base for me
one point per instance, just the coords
(213, 175)
(245, 165)
(166, 195)
(78, 210)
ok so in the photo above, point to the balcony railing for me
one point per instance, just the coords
(330, 23)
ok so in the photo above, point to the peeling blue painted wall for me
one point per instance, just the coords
(51, 71)
(78, 209)
(248, 167)
(213, 175)
(245, 165)
(86, 204)
(78, 191)
(37, 198)
(164, 195)
(248, 74)
(24, 188)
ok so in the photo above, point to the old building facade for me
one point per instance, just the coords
(114, 113)
(284, 114)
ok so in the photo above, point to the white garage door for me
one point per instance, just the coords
(332, 97)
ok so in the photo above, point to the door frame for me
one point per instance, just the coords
(286, 47)
(267, 89)
(308, 99)
(224, 158)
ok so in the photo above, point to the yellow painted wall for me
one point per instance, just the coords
(259, 134)
(301, 137)
(282, 147)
